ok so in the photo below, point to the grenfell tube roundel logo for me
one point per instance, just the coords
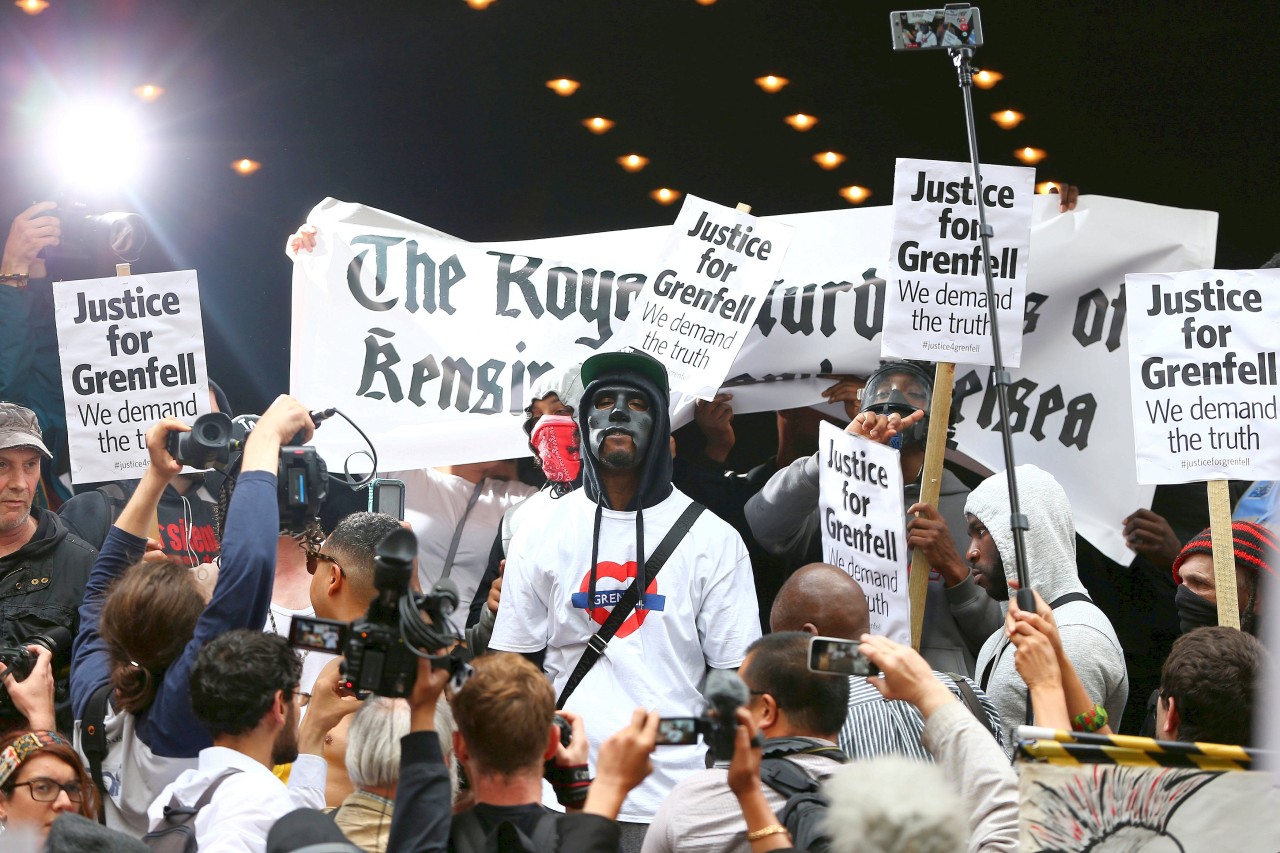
(606, 598)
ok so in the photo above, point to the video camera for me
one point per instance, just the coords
(19, 661)
(381, 650)
(97, 236)
(216, 441)
(725, 693)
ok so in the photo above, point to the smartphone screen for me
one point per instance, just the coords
(387, 497)
(829, 654)
(936, 29)
(319, 635)
(677, 731)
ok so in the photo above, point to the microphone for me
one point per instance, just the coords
(725, 694)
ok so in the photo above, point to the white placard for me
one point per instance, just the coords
(863, 527)
(714, 275)
(936, 303)
(1202, 356)
(132, 353)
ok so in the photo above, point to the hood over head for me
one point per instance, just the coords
(1051, 537)
(643, 373)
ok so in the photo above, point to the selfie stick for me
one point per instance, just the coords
(960, 57)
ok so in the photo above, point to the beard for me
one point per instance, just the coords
(285, 748)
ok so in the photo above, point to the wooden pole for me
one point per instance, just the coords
(1224, 554)
(930, 487)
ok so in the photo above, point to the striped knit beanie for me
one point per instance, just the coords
(1255, 548)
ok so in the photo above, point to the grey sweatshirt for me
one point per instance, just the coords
(1087, 635)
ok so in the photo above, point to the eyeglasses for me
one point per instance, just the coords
(315, 558)
(301, 698)
(46, 790)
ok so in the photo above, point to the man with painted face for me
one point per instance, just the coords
(571, 560)
(958, 618)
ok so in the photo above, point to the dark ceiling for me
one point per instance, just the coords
(438, 112)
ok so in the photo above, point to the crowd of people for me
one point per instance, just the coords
(636, 673)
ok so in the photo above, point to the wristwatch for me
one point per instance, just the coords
(16, 279)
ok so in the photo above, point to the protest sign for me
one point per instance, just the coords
(1202, 351)
(863, 532)
(716, 271)
(132, 353)
(936, 304)
(532, 312)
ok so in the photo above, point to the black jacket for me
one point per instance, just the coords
(41, 586)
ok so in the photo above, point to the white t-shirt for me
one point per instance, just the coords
(434, 506)
(699, 612)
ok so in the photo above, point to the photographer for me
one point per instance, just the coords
(143, 621)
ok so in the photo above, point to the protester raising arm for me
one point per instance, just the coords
(764, 830)
(421, 819)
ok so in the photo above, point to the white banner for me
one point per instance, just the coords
(863, 527)
(132, 353)
(514, 310)
(936, 305)
(716, 271)
(1203, 375)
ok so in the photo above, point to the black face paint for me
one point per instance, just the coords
(623, 411)
(1194, 611)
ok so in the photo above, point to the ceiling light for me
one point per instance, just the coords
(1046, 187)
(855, 194)
(800, 121)
(706, 2)
(664, 195)
(633, 162)
(987, 79)
(563, 86)
(771, 84)
(246, 166)
(828, 159)
(1030, 156)
(598, 124)
(32, 7)
(1008, 119)
(148, 91)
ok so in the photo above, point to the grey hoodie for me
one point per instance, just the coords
(1087, 636)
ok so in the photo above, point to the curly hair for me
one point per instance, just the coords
(236, 677)
(147, 620)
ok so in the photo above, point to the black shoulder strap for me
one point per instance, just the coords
(597, 644)
(207, 796)
(546, 834)
(1068, 598)
(985, 680)
(786, 777)
(93, 741)
(466, 835)
(971, 700)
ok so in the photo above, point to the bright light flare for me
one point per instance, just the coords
(663, 195)
(987, 79)
(1030, 155)
(246, 166)
(563, 86)
(801, 121)
(771, 83)
(633, 162)
(828, 159)
(598, 124)
(96, 146)
(855, 194)
(32, 7)
(1046, 187)
(1008, 119)
(479, 4)
(148, 92)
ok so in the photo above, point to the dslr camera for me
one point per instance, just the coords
(381, 651)
(216, 441)
(18, 661)
(97, 236)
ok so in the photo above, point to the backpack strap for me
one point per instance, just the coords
(546, 835)
(1068, 598)
(985, 680)
(93, 741)
(466, 835)
(207, 796)
(971, 701)
(600, 641)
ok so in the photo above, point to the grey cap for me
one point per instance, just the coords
(19, 427)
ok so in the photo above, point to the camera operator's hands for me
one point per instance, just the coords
(33, 697)
(907, 676)
(32, 230)
(744, 781)
(426, 693)
(325, 710)
(285, 418)
(162, 462)
(622, 764)
(139, 515)
(302, 240)
(575, 754)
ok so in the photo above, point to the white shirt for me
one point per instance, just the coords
(699, 612)
(247, 804)
(435, 504)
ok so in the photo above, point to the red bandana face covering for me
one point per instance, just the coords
(556, 439)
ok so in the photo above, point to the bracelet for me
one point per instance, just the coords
(16, 279)
(1091, 720)
(771, 829)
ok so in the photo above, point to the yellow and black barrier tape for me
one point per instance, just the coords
(1075, 748)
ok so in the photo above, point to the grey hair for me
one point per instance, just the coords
(891, 804)
(373, 742)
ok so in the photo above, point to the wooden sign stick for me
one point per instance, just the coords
(1224, 554)
(930, 487)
